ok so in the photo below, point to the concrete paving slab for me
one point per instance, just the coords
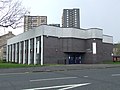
(58, 68)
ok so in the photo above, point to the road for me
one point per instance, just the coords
(88, 79)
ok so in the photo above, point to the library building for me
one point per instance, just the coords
(56, 45)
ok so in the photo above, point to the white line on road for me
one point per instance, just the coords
(85, 76)
(52, 79)
(74, 86)
(63, 87)
(114, 75)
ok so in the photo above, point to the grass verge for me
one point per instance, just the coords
(14, 65)
(111, 62)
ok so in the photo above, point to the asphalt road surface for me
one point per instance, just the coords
(89, 79)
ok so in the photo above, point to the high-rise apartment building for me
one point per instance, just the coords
(31, 22)
(71, 18)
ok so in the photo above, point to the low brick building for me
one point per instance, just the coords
(55, 45)
(3, 43)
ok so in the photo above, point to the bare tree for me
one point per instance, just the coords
(117, 46)
(11, 13)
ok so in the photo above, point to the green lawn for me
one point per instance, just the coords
(14, 65)
(111, 62)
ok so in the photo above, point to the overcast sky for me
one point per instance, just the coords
(104, 14)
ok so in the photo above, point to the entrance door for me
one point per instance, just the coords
(78, 59)
(75, 59)
(71, 60)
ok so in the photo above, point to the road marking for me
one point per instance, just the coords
(85, 76)
(52, 79)
(63, 87)
(114, 75)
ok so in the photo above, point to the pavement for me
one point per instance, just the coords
(58, 68)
